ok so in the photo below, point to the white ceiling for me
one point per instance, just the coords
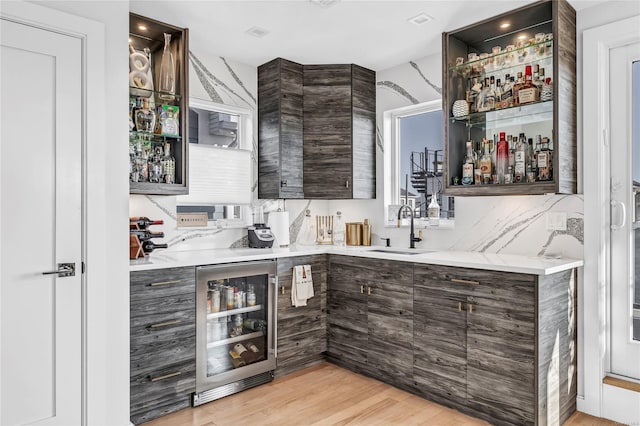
(373, 33)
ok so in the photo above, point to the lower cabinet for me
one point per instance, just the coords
(370, 317)
(500, 346)
(162, 342)
(302, 331)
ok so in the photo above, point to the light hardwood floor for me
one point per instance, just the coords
(329, 395)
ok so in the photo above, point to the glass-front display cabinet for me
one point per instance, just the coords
(158, 95)
(509, 103)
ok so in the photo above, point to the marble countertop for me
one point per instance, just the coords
(488, 261)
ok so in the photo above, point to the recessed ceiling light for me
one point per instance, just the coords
(257, 32)
(420, 19)
(522, 37)
(505, 25)
(142, 27)
(324, 3)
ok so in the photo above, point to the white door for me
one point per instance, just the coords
(40, 226)
(625, 180)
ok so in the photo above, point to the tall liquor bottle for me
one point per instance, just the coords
(502, 157)
(520, 168)
(528, 92)
(468, 166)
(485, 164)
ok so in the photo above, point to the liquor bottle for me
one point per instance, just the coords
(468, 166)
(538, 77)
(485, 164)
(168, 165)
(520, 168)
(502, 157)
(474, 90)
(144, 222)
(528, 93)
(144, 235)
(545, 164)
(532, 166)
(150, 246)
(546, 93)
(516, 88)
(512, 151)
(145, 118)
(498, 93)
(490, 99)
(155, 166)
(506, 98)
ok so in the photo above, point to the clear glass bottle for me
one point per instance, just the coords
(168, 165)
(498, 94)
(155, 166)
(507, 92)
(516, 89)
(485, 164)
(545, 165)
(145, 118)
(307, 235)
(338, 230)
(167, 77)
(521, 159)
(433, 211)
(468, 165)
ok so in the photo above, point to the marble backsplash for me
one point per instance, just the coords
(513, 224)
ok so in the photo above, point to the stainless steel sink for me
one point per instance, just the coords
(399, 251)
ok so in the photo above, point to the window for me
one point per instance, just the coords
(414, 154)
(220, 165)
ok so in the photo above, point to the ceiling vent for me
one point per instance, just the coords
(257, 32)
(420, 19)
(324, 3)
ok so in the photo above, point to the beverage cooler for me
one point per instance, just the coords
(236, 315)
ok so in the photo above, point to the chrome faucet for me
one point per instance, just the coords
(412, 236)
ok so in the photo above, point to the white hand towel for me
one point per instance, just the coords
(301, 285)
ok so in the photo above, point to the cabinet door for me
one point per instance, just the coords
(390, 328)
(327, 131)
(440, 322)
(501, 358)
(302, 331)
(347, 317)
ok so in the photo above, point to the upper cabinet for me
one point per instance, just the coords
(316, 131)
(158, 107)
(513, 75)
(280, 130)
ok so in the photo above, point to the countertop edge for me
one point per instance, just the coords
(475, 260)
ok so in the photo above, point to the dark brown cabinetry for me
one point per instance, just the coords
(147, 33)
(370, 317)
(552, 115)
(162, 352)
(339, 132)
(496, 345)
(316, 131)
(280, 130)
(302, 331)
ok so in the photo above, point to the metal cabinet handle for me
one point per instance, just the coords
(470, 308)
(369, 291)
(283, 183)
(163, 283)
(459, 306)
(456, 280)
(274, 348)
(64, 270)
(166, 376)
(362, 289)
(164, 324)
(346, 184)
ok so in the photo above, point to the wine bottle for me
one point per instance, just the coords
(149, 246)
(144, 222)
(144, 235)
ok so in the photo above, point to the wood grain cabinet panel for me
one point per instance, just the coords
(370, 317)
(302, 331)
(162, 341)
(500, 346)
(280, 130)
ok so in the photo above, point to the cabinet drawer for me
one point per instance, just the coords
(147, 357)
(162, 283)
(361, 268)
(162, 391)
(165, 306)
(479, 281)
(318, 263)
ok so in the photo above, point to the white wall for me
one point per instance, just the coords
(107, 283)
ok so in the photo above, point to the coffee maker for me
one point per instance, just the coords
(259, 234)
